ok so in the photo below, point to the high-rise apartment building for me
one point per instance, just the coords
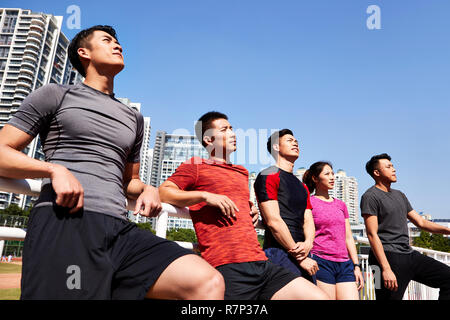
(171, 150)
(146, 154)
(346, 189)
(33, 52)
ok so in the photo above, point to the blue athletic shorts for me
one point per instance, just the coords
(282, 258)
(334, 272)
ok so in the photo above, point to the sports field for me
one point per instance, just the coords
(10, 274)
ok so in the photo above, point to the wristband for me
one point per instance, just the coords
(356, 265)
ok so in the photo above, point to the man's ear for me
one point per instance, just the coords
(276, 147)
(376, 173)
(208, 140)
(83, 53)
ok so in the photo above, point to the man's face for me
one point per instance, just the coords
(385, 171)
(288, 147)
(221, 138)
(104, 52)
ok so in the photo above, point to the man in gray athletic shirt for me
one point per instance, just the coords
(79, 244)
(386, 212)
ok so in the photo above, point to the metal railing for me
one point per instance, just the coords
(32, 187)
(415, 290)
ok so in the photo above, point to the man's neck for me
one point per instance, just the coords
(384, 186)
(101, 83)
(220, 159)
(285, 164)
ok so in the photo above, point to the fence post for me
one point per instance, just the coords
(161, 224)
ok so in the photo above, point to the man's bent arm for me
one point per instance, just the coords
(309, 229)
(148, 203)
(271, 214)
(133, 186)
(14, 163)
(169, 192)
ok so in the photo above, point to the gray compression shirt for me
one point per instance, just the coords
(90, 133)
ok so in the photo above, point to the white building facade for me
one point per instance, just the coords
(33, 52)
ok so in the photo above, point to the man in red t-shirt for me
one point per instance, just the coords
(217, 194)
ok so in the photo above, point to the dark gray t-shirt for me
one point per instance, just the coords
(90, 133)
(392, 209)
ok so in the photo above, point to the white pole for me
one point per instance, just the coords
(2, 245)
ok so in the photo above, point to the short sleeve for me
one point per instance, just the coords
(135, 154)
(185, 177)
(308, 199)
(369, 205)
(266, 187)
(345, 210)
(408, 204)
(38, 108)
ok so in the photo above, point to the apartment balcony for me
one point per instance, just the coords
(20, 96)
(27, 76)
(23, 89)
(30, 56)
(28, 70)
(38, 21)
(7, 89)
(34, 46)
(19, 44)
(37, 26)
(29, 63)
(30, 50)
(34, 39)
(35, 33)
(25, 83)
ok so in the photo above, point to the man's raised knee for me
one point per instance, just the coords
(212, 287)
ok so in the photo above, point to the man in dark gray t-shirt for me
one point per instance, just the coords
(79, 245)
(391, 208)
(386, 212)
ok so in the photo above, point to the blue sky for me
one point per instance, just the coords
(346, 91)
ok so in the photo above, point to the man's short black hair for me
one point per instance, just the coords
(81, 40)
(372, 164)
(205, 123)
(275, 137)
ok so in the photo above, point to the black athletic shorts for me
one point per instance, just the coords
(90, 255)
(256, 280)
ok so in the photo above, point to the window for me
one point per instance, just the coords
(4, 52)
(5, 39)
(10, 23)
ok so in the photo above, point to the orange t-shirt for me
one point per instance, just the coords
(220, 242)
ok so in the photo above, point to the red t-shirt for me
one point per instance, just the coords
(220, 243)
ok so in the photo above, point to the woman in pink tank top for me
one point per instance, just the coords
(334, 249)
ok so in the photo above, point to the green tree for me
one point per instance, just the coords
(187, 235)
(440, 243)
(423, 241)
(261, 240)
(14, 210)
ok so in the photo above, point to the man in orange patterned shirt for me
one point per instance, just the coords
(217, 194)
